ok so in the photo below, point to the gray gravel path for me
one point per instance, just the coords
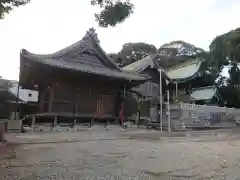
(203, 156)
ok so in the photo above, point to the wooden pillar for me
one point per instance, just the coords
(98, 106)
(168, 107)
(41, 100)
(75, 103)
(51, 97)
(75, 106)
(17, 105)
(176, 90)
(124, 99)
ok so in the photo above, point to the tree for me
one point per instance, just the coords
(225, 50)
(112, 12)
(5, 84)
(230, 92)
(177, 52)
(132, 52)
(116, 58)
(226, 47)
(7, 5)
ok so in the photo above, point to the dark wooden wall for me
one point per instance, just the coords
(69, 99)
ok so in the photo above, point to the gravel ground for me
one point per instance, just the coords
(136, 155)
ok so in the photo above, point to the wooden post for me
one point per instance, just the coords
(41, 100)
(124, 96)
(169, 115)
(75, 103)
(161, 99)
(17, 106)
(50, 102)
(75, 106)
(139, 112)
(176, 91)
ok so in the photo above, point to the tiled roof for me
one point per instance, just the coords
(181, 72)
(185, 71)
(203, 93)
(140, 65)
(86, 56)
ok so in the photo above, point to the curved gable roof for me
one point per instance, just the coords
(85, 55)
(203, 93)
(184, 71)
(180, 73)
(140, 65)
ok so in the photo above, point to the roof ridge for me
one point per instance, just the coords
(58, 53)
(86, 50)
(91, 34)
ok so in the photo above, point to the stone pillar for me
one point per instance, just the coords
(33, 121)
(106, 123)
(91, 122)
(55, 121)
(74, 122)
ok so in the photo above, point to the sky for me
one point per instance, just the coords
(45, 26)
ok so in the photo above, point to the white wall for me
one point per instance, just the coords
(24, 94)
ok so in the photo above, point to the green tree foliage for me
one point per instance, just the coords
(116, 58)
(226, 47)
(112, 12)
(225, 50)
(230, 93)
(177, 52)
(5, 84)
(7, 5)
(132, 52)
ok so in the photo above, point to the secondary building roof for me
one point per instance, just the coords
(180, 73)
(141, 64)
(185, 71)
(203, 93)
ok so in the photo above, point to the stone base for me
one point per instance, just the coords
(14, 125)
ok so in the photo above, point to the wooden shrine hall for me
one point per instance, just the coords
(79, 81)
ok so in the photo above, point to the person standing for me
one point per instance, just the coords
(121, 118)
(2, 132)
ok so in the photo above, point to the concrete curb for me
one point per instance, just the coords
(65, 141)
(129, 137)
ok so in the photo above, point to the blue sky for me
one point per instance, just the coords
(45, 26)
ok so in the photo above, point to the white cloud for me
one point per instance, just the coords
(45, 26)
